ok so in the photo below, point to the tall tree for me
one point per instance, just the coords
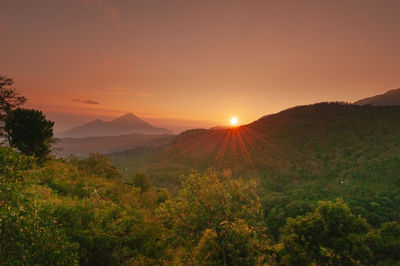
(10, 99)
(332, 235)
(30, 132)
(218, 221)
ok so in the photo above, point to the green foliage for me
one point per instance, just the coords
(141, 181)
(230, 243)
(216, 220)
(83, 211)
(10, 99)
(99, 211)
(385, 244)
(332, 235)
(30, 132)
(96, 164)
(64, 213)
(26, 236)
(299, 156)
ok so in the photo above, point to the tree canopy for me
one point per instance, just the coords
(332, 235)
(30, 132)
(216, 220)
(10, 99)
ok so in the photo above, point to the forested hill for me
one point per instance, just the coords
(320, 137)
(298, 156)
(320, 185)
(391, 97)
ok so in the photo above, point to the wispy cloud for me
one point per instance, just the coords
(143, 94)
(110, 91)
(116, 91)
(85, 101)
(119, 91)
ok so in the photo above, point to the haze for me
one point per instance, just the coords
(185, 64)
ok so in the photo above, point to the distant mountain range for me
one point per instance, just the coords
(129, 132)
(126, 124)
(391, 97)
(84, 146)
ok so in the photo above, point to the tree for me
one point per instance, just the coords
(97, 164)
(217, 221)
(29, 131)
(141, 180)
(332, 235)
(10, 99)
(26, 236)
(385, 243)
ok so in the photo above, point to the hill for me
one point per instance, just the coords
(126, 124)
(84, 146)
(291, 137)
(293, 164)
(298, 156)
(391, 97)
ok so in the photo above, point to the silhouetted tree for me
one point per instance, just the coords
(10, 99)
(30, 132)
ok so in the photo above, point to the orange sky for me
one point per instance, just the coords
(195, 63)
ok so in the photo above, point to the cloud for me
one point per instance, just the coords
(119, 91)
(112, 11)
(111, 91)
(143, 94)
(77, 100)
(115, 91)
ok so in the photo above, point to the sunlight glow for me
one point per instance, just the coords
(234, 121)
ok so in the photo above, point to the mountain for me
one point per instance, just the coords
(84, 146)
(391, 97)
(126, 124)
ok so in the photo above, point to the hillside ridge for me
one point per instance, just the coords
(391, 97)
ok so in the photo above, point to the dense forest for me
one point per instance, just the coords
(83, 212)
(312, 185)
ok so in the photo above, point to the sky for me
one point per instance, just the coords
(196, 63)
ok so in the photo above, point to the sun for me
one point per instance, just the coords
(234, 121)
